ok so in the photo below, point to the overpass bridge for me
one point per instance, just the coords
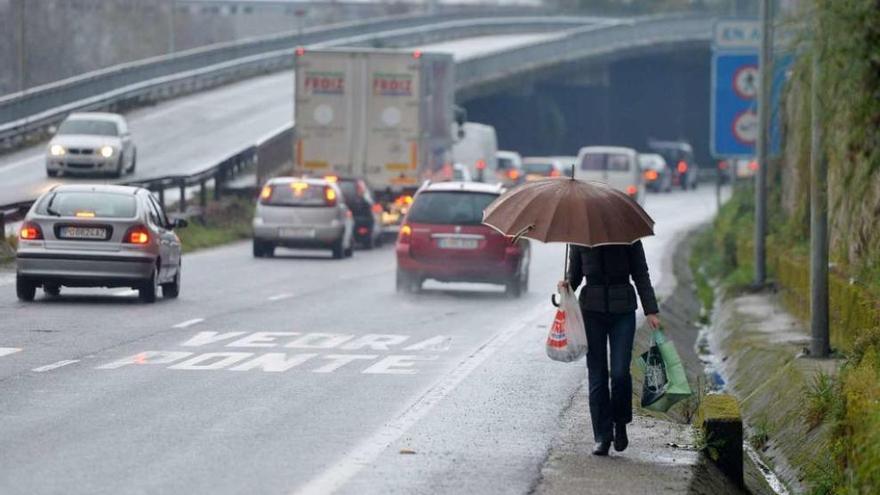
(508, 70)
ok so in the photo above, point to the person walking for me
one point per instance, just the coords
(608, 303)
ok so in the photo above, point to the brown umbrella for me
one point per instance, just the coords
(559, 209)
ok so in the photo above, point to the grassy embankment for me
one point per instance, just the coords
(842, 403)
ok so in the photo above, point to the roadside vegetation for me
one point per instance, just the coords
(7, 250)
(222, 222)
(842, 403)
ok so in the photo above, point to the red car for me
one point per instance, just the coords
(442, 238)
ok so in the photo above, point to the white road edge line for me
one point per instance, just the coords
(50, 367)
(278, 297)
(5, 351)
(367, 451)
(188, 323)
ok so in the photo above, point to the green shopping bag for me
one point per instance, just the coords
(665, 379)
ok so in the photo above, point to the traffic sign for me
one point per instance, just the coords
(735, 87)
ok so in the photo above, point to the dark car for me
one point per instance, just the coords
(679, 156)
(366, 211)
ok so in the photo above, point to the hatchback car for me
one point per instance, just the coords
(98, 236)
(92, 142)
(443, 238)
(657, 174)
(536, 168)
(679, 155)
(302, 213)
(366, 211)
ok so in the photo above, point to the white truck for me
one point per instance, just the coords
(382, 115)
(476, 149)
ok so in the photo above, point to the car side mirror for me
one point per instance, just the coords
(178, 223)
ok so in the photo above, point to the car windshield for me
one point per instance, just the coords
(88, 204)
(504, 163)
(538, 168)
(298, 194)
(450, 207)
(613, 162)
(90, 127)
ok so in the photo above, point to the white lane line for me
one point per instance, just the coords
(188, 323)
(50, 367)
(278, 297)
(366, 453)
(7, 279)
(5, 351)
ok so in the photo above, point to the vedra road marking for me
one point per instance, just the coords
(5, 351)
(188, 323)
(50, 367)
(364, 454)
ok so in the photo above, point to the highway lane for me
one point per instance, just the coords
(107, 395)
(186, 134)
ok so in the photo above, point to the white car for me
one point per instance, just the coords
(509, 171)
(91, 143)
(616, 166)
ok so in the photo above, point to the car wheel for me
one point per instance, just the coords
(349, 251)
(52, 173)
(120, 167)
(147, 292)
(52, 290)
(172, 289)
(338, 250)
(25, 290)
(134, 157)
(259, 250)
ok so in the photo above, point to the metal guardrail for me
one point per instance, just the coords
(194, 70)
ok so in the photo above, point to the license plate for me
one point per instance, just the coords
(93, 233)
(296, 232)
(456, 243)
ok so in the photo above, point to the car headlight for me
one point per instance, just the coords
(56, 150)
(106, 151)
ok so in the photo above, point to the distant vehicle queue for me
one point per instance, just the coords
(378, 146)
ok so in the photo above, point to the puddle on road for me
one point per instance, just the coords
(716, 382)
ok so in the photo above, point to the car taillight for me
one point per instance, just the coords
(481, 164)
(513, 174)
(363, 230)
(377, 208)
(651, 175)
(632, 190)
(137, 235)
(554, 173)
(266, 193)
(753, 166)
(405, 234)
(329, 196)
(30, 231)
(682, 167)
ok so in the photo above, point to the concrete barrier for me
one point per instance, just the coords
(720, 420)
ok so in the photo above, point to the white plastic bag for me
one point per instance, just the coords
(567, 340)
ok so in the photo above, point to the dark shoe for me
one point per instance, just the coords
(621, 442)
(602, 448)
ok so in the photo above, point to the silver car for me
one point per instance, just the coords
(98, 236)
(302, 213)
(92, 142)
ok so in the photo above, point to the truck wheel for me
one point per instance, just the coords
(25, 290)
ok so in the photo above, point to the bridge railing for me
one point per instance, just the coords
(197, 69)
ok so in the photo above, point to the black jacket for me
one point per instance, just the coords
(608, 270)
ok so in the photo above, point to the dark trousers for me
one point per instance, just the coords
(614, 405)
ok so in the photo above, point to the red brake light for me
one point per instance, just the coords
(722, 165)
(481, 164)
(632, 190)
(31, 231)
(405, 234)
(266, 193)
(513, 174)
(651, 175)
(329, 196)
(137, 235)
(363, 230)
(554, 173)
(753, 165)
(300, 51)
(377, 208)
(682, 167)
(417, 54)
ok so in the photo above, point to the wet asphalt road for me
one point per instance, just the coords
(299, 374)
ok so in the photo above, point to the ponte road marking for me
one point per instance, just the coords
(50, 367)
(188, 323)
(5, 351)
(364, 454)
